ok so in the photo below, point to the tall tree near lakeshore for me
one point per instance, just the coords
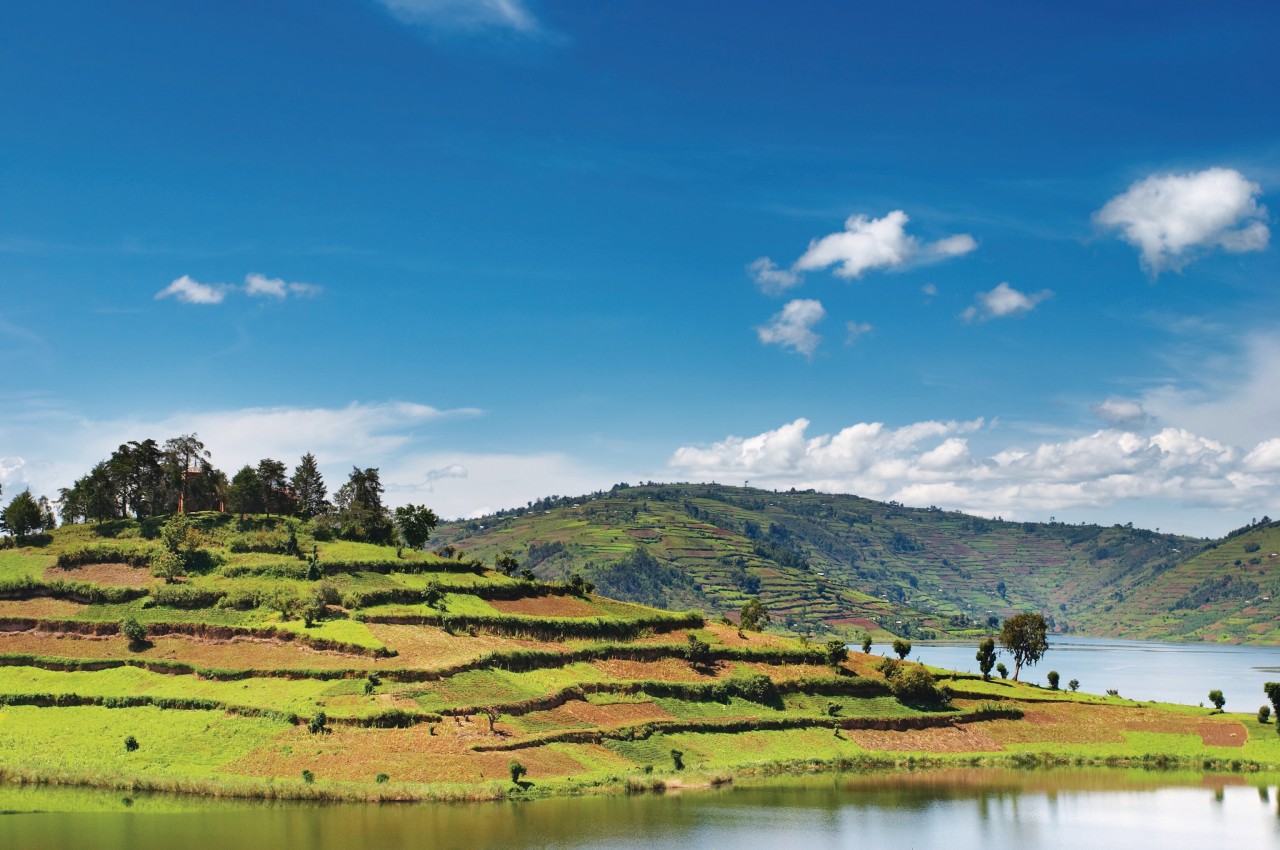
(986, 658)
(275, 487)
(1026, 638)
(244, 496)
(23, 516)
(309, 491)
(191, 456)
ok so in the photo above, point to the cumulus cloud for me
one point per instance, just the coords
(464, 14)
(864, 245)
(933, 463)
(258, 285)
(793, 326)
(1121, 412)
(1173, 218)
(1002, 302)
(853, 330)
(190, 291)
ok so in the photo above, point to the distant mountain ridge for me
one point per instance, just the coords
(830, 561)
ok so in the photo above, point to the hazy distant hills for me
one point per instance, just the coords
(819, 559)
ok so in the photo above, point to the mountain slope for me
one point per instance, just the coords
(822, 560)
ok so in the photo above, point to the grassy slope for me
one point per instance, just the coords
(871, 564)
(217, 713)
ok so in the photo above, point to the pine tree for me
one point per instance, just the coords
(309, 491)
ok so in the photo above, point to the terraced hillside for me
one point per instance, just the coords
(350, 671)
(827, 561)
(1227, 591)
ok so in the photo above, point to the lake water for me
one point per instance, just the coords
(1142, 670)
(989, 809)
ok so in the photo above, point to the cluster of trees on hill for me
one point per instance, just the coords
(146, 478)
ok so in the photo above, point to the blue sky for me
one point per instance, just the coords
(1013, 259)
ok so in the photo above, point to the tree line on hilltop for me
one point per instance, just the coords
(143, 479)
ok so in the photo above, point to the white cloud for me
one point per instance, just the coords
(864, 245)
(929, 290)
(928, 463)
(1172, 218)
(464, 14)
(258, 285)
(190, 291)
(1002, 302)
(770, 278)
(1121, 412)
(853, 330)
(793, 326)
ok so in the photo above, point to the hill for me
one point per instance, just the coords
(825, 561)
(284, 665)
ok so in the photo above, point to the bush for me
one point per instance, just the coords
(1074, 685)
(134, 631)
(916, 686)
(677, 758)
(756, 687)
(866, 644)
(698, 652)
(517, 770)
(901, 648)
(1264, 713)
(381, 778)
(890, 668)
(319, 724)
(1218, 700)
(308, 777)
(130, 744)
(1053, 680)
(836, 654)
(1002, 670)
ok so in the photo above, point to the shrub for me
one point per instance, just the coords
(836, 654)
(756, 687)
(134, 631)
(1074, 685)
(986, 658)
(1264, 713)
(890, 668)
(1053, 680)
(833, 709)
(517, 770)
(677, 758)
(866, 644)
(1002, 670)
(1218, 700)
(381, 778)
(318, 724)
(698, 652)
(901, 648)
(168, 565)
(130, 744)
(916, 686)
(308, 777)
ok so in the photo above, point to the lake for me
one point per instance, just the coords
(1142, 670)
(987, 809)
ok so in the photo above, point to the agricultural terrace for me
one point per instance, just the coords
(355, 671)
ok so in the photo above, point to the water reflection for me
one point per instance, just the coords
(988, 809)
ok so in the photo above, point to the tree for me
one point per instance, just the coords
(1218, 700)
(677, 759)
(23, 516)
(1074, 685)
(754, 616)
(506, 563)
(986, 658)
(836, 653)
(580, 586)
(134, 631)
(309, 492)
(168, 565)
(866, 643)
(275, 496)
(698, 652)
(415, 524)
(1272, 690)
(1053, 680)
(190, 456)
(901, 648)
(1025, 637)
(361, 514)
(1264, 713)
(1002, 670)
(244, 496)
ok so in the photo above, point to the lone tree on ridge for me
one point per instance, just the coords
(1025, 637)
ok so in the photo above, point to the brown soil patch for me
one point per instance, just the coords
(546, 606)
(430, 648)
(576, 713)
(786, 672)
(945, 739)
(55, 609)
(1222, 734)
(666, 670)
(236, 654)
(861, 622)
(116, 575)
(406, 755)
